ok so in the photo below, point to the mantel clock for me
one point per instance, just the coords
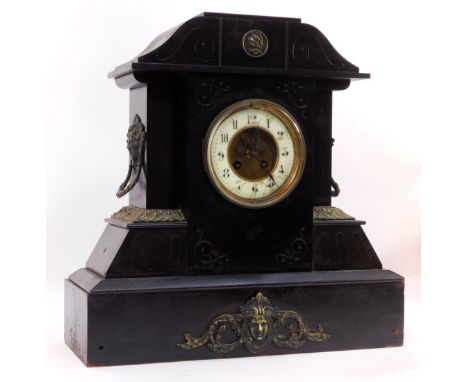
(230, 245)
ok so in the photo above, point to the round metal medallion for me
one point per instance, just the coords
(255, 43)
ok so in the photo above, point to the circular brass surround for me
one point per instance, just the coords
(269, 154)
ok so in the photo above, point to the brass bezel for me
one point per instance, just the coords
(299, 149)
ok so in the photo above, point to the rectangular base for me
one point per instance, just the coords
(160, 319)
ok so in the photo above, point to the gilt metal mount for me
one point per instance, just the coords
(330, 213)
(130, 214)
(136, 139)
(255, 43)
(257, 325)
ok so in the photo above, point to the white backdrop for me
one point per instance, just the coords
(377, 126)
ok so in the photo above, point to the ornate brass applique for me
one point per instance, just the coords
(136, 138)
(258, 325)
(330, 213)
(255, 43)
(131, 214)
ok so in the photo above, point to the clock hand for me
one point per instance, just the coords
(273, 179)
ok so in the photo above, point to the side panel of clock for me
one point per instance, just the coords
(157, 104)
(323, 139)
(323, 148)
(223, 237)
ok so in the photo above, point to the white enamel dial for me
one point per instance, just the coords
(254, 153)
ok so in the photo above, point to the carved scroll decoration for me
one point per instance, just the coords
(311, 49)
(297, 94)
(296, 250)
(207, 256)
(257, 326)
(195, 45)
(209, 91)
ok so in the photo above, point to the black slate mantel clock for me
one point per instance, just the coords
(229, 246)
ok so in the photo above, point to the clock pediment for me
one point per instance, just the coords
(229, 44)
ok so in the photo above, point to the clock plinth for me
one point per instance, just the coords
(158, 319)
(230, 246)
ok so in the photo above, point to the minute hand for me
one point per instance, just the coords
(273, 179)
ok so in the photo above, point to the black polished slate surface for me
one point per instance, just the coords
(93, 283)
(136, 321)
(146, 284)
(211, 42)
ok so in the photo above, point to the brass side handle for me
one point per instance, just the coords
(136, 142)
(335, 188)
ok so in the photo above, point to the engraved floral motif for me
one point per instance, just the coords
(209, 91)
(296, 250)
(207, 257)
(301, 49)
(297, 94)
(204, 47)
(308, 45)
(257, 326)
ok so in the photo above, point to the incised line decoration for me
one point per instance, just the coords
(296, 251)
(207, 256)
(257, 326)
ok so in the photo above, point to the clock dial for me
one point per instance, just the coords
(254, 153)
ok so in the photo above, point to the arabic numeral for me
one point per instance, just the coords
(280, 133)
(221, 155)
(254, 189)
(281, 171)
(285, 154)
(226, 173)
(252, 119)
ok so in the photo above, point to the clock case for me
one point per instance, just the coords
(178, 231)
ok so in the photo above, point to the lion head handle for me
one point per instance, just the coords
(136, 139)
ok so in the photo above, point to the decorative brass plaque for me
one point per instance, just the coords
(330, 213)
(132, 214)
(257, 326)
(255, 43)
